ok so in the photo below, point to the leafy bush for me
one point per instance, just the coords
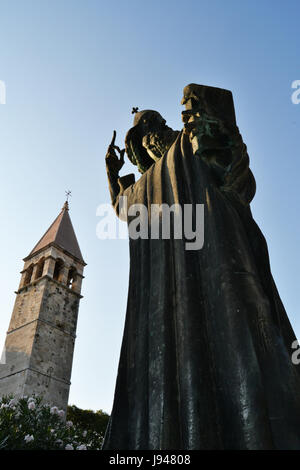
(27, 423)
(88, 419)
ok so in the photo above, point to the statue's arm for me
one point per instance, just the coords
(113, 185)
(221, 146)
(217, 141)
(116, 184)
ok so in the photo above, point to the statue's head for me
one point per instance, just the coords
(148, 121)
(148, 139)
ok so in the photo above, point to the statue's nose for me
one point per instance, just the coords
(184, 100)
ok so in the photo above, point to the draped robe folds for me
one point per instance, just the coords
(206, 354)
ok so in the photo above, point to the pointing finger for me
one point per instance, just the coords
(113, 139)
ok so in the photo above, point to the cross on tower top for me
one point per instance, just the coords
(68, 194)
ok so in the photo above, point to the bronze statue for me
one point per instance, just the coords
(206, 354)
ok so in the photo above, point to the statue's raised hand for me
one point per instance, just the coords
(113, 162)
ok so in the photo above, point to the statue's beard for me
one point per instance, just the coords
(157, 143)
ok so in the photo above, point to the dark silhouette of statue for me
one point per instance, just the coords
(206, 353)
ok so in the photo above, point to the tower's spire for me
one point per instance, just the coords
(61, 233)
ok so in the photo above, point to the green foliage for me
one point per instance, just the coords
(88, 419)
(28, 424)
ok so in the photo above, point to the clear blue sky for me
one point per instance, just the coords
(73, 70)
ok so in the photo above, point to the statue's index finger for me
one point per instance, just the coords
(113, 139)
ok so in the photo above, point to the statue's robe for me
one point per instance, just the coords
(206, 354)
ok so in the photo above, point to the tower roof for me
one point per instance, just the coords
(60, 233)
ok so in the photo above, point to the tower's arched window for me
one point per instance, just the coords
(58, 269)
(72, 278)
(28, 275)
(40, 268)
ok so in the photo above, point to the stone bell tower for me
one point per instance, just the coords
(39, 345)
